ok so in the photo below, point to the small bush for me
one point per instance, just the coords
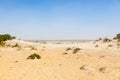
(119, 40)
(118, 36)
(110, 45)
(76, 50)
(82, 67)
(102, 69)
(86, 67)
(118, 44)
(68, 49)
(5, 37)
(2, 43)
(96, 45)
(115, 38)
(65, 53)
(100, 39)
(106, 40)
(16, 45)
(33, 56)
(33, 48)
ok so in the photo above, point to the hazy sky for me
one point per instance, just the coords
(60, 19)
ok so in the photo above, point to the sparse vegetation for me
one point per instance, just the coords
(33, 48)
(68, 49)
(2, 43)
(34, 56)
(110, 45)
(96, 46)
(76, 50)
(102, 69)
(118, 36)
(86, 67)
(100, 39)
(102, 56)
(82, 67)
(106, 40)
(118, 44)
(119, 40)
(16, 45)
(44, 42)
(65, 53)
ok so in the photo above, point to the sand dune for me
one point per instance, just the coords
(91, 62)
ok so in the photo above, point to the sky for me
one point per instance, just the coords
(60, 19)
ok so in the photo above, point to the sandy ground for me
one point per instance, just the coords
(89, 63)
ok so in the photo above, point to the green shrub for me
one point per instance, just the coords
(33, 56)
(5, 37)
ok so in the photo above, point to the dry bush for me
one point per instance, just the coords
(33, 56)
(96, 45)
(106, 40)
(118, 44)
(102, 69)
(65, 53)
(110, 45)
(68, 49)
(16, 45)
(33, 48)
(76, 50)
(2, 43)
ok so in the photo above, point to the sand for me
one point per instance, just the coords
(89, 63)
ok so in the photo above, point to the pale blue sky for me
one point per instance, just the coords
(60, 19)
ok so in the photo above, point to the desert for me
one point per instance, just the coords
(60, 60)
(59, 39)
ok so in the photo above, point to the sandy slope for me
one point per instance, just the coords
(90, 63)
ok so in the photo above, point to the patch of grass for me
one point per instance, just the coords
(34, 56)
(76, 50)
